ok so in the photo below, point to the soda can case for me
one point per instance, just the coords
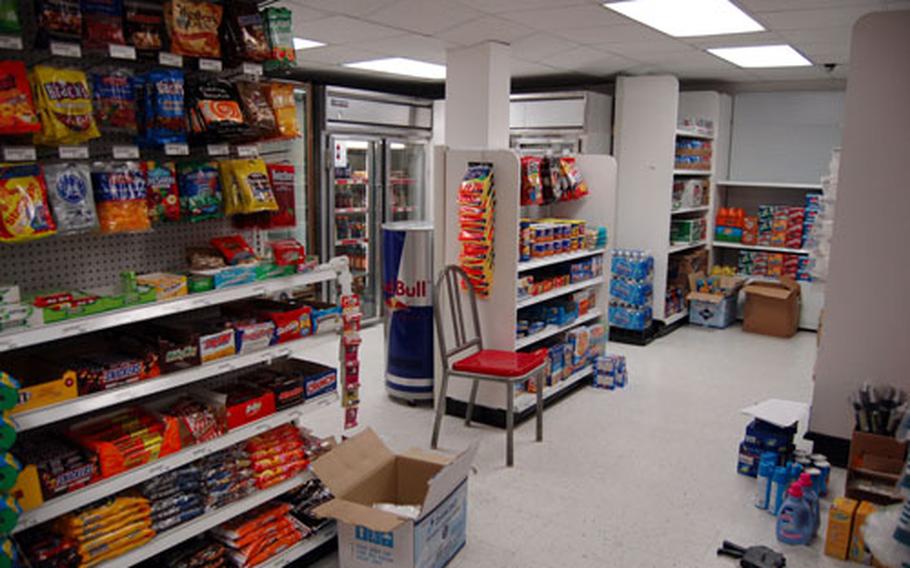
(407, 278)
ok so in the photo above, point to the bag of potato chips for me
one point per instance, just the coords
(64, 103)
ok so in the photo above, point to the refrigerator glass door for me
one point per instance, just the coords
(406, 183)
(356, 213)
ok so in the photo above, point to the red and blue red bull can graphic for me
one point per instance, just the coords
(407, 278)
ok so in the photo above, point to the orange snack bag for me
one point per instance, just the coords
(17, 109)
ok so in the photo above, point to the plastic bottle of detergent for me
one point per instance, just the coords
(811, 497)
(794, 521)
(763, 498)
(779, 484)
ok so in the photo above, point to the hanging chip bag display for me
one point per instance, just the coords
(281, 98)
(244, 35)
(70, 190)
(164, 115)
(115, 101)
(283, 187)
(24, 210)
(193, 27)
(64, 106)
(58, 20)
(9, 17)
(280, 29)
(144, 24)
(259, 115)
(161, 187)
(476, 202)
(102, 23)
(247, 187)
(200, 191)
(214, 111)
(120, 197)
(17, 108)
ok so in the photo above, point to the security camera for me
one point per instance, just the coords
(829, 67)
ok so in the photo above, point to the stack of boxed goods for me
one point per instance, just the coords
(679, 267)
(712, 301)
(688, 231)
(777, 226)
(764, 437)
(633, 278)
(569, 355)
(693, 154)
(775, 264)
(845, 537)
(690, 193)
(558, 312)
(539, 238)
(611, 372)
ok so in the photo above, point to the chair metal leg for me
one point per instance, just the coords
(471, 400)
(510, 423)
(539, 379)
(440, 408)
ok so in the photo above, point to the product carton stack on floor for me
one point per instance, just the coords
(772, 308)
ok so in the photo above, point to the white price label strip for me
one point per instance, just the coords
(123, 51)
(19, 154)
(177, 149)
(254, 69)
(73, 152)
(210, 65)
(10, 42)
(66, 49)
(219, 149)
(248, 151)
(170, 59)
(126, 152)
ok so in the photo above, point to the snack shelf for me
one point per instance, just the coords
(557, 258)
(679, 247)
(724, 244)
(88, 403)
(63, 504)
(552, 330)
(693, 134)
(300, 550)
(771, 185)
(561, 291)
(17, 338)
(671, 319)
(691, 210)
(203, 523)
(526, 400)
(682, 172)
(350, 210)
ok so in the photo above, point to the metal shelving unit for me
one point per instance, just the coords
(552, 330)
(771, 185)
(526, 400)
(561, 291)
(557, 258)
(724, 244)
(685, 210)
(680, 247)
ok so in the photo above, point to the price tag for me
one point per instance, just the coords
(19, 154)
(210, 65)
(177, 149)
(126, 152)
(122, 51)
(170, 59)
(66, 49)
(10, 42)
(248, 151)
(219, 149)
(73, 152)
(254, 69)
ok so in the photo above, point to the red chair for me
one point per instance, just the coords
(468, 359)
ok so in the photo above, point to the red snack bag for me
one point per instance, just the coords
(281, 177)
(234, 248)
(531, 184)
(17, 108)
(102, 23)
(288, 252)
(193, 27)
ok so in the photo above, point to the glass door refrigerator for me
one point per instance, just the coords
(376, 156)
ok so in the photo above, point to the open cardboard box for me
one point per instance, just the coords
(362, 471)
(772, 308)
(713, 309)
(875, 467)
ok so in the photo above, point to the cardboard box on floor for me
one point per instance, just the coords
(713, 309)
(772, 308)
(362, 471)
(875, 467)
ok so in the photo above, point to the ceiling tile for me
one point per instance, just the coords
(780, 5)
(485, 28)
(336, 54)
(500, 6)
(414, 46)
(843, 17)
(423, 16)
(346, 7)
(792, 74)
(836, 36)
(304, 13)
(623, 33)
(341, 29)
(736, 40)
(588, 60)
(567, 18)
(521, 68)
(536, 47)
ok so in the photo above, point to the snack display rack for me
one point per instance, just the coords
(499, 312)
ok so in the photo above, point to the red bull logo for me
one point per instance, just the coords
(399, 289)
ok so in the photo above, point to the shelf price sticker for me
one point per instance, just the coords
(122, 51)
(66, 49)
(254, 69)
(126, 152)
(177, 149)
(210, 65)
(20, 154)
(73, 152)
(10, 42)
(170, 59)
(248, 151)
(219, 150)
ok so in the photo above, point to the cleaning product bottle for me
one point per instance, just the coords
(805, 481)
(765, 473)
(778, 488)
(794, 521)
(795, 471)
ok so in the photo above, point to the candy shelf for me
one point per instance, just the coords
(306, 546)
(561, 291)
(91, 493)
(557, 258)
(552, 330)
(17, 338)
(680, 247)
(724, 244)
(207, 521)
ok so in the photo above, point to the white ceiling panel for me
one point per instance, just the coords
(567, 18)
(304, 13)
(835, 36)
(536, 47)
(736, 40)
(345, 7)
(635, 50)
(414, 46)
(792, 73)
(337, 54)
(812, 19)
(485, 28)
(780, 5)
(424, 16)
(588, 59)
(633, 33)
(501, 6)
(521, 68)
(342, 29)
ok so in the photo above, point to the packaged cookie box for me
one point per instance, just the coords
(41, 382)
(214, 340)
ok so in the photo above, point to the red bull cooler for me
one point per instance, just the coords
(407, 278)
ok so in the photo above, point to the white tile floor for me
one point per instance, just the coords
(639, 477)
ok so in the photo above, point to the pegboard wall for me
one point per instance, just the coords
(88, 261)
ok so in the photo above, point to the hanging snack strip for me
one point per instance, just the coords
(350, 371)
(476, 204)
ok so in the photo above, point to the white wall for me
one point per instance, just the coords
(784, 136)
(865, 328)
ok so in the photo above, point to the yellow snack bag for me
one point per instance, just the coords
(281, 98)
(253, 185)
(64, 102)
(229, 190)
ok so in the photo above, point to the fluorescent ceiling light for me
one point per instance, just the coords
(688, 18)
(402, 66)
(397, 146)
(301, 43)
(762, 56)
(356, 144)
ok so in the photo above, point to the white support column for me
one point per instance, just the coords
(478, 83)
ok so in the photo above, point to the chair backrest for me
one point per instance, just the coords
(454, 319)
